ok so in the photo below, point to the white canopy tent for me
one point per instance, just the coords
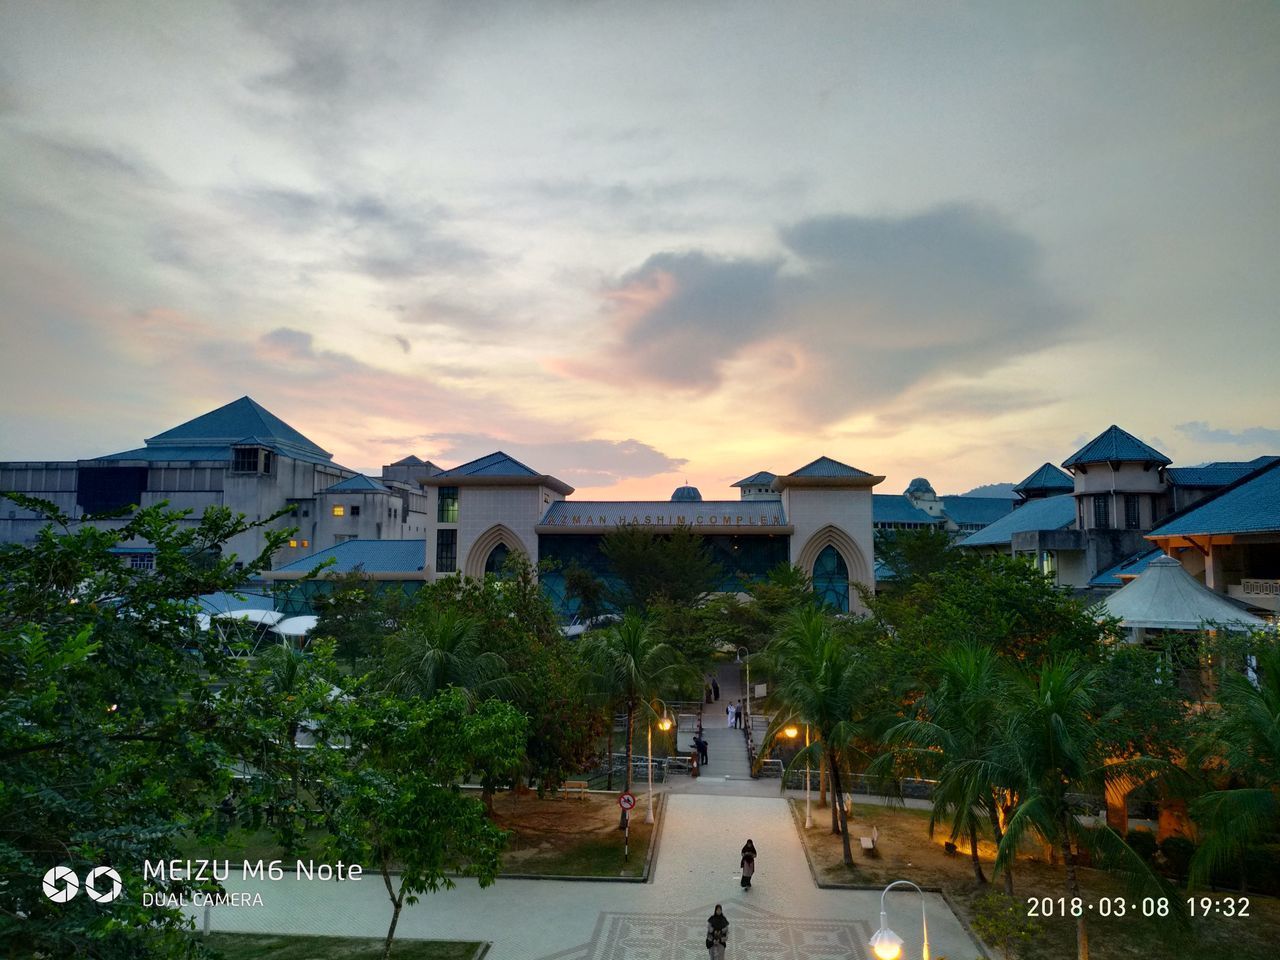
(295, 626)
(1166, 597)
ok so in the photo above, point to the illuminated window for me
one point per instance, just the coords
(306, 543)
(339, 510)
(447, 510)
(293, 543)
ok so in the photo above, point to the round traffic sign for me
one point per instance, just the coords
(627, 801)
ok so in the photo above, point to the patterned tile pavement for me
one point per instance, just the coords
(782, 917)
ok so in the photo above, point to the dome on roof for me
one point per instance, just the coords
(920, 486)
(686, 494)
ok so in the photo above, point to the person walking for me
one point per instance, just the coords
(748, 863)
(728, 713)
(715, 688)
(717, 934)
(702, 750)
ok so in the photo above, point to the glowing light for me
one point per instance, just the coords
(791, 732)
(886, 944)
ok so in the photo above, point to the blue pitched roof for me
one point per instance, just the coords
(1217, 474)
(1129, 566)
(761, 478)
(970, 510)
(370, 556)
(896, 508)
(1046, 477)
(357, 484)
(1115, 445)
(242, 420)
(153, 454)
(1249, 505)
(497, 464)
(1051, 513)
(826, 467)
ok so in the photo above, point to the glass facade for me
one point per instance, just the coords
(831, 579)
(745, 559)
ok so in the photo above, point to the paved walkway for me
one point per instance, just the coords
(783, 917)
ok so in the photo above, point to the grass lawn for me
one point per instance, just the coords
(556, 838)
(905, 851)
(271, 946)
(571, 837)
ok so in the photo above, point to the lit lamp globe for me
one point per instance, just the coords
(791, 732)
(886, 944)
(664, 724)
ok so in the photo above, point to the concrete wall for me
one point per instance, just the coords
(811, 510)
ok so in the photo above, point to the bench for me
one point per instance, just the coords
(869, 843)
(576, 788)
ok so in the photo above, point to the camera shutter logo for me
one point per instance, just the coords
(91, 884)
(61, 884)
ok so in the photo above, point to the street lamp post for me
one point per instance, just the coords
(664, 725)
(747, 660)
(808, 789)
(886, 944)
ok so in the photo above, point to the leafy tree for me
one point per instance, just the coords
(675, 567)
(515, 621)
(1050, 740)
(110, 739)
(631, 667)
(268, 707)
(358, 616)
(957, 722)
(391, 793)
(818, 679)
(1001, 601)
(1242, 749)
(587, 589)
(442, 648)
(912, 555)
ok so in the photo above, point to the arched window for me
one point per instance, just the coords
(497, 557)
(831, 579)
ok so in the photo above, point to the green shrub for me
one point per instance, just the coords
(1177, 853)
(1143, 843)
(1003, 923)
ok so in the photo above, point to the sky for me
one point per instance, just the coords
(639, 244)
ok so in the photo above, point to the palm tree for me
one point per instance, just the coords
(1050, 744)
(1245, 740)
(817, 679)
(951, 738)
(442, 649)
(631, 666)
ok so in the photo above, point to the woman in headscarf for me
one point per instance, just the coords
(717, 933)
(748, 862)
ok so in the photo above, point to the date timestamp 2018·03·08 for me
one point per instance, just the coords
(1146, 907)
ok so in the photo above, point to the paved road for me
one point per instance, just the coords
(783, 917)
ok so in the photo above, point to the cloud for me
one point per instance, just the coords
(855, 312)
(1201, 432)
